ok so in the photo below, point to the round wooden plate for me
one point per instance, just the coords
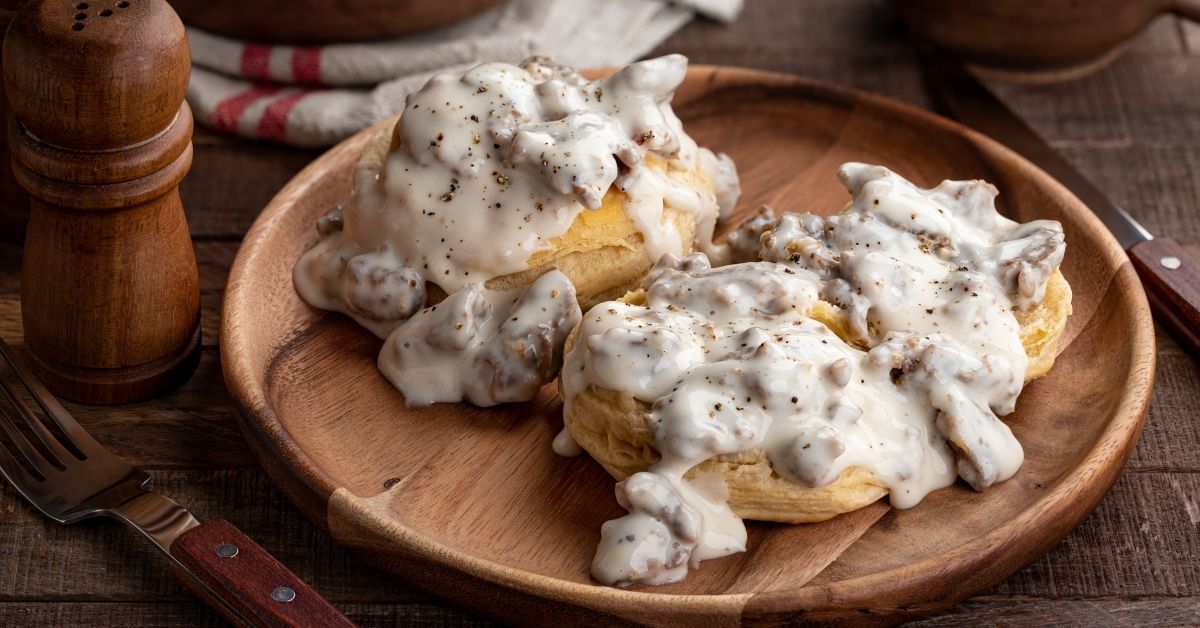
(473, 505)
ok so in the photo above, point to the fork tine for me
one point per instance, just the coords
(58, 455)
(75, 437)
(36, 461)
(22, 480)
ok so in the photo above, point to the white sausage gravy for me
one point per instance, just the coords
(927, 279)
(492, 166)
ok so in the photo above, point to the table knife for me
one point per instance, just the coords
(1170, 276)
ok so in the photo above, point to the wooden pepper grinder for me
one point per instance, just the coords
(100, 137)
(14, 200)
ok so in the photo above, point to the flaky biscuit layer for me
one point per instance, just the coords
(611, 427)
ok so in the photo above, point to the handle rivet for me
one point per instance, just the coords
(1171, 262)
(283, 594)
(227, 550)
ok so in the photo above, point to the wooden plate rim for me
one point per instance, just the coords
(310, 487)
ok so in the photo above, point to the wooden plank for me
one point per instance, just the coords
(1087, 111)
(1171, 432)
(1156, 184)
(196, 615)
(75, 613)
(1159, 93)
(1141, 541)
(214, 259)
(988, 611)
(977, 611)
(232, 180)
(1002, 611)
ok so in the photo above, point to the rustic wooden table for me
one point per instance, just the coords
(1133, 127)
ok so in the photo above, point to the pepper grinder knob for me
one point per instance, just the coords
(101, 137)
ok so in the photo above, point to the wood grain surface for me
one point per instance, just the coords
(1131, 127)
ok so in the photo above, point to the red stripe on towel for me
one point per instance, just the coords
(273, 124)
(256, 62)
(306, 65)
(227, 112)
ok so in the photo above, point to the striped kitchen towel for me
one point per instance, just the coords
(318, 95)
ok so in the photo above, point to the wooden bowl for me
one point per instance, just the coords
(473, 505)
(1036, 40)
(322, 21)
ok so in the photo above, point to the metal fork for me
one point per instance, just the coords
(70, 477)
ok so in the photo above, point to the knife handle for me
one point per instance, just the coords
(1171, 278)
(250, 580)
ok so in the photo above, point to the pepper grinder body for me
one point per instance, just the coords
(14, 200)
(100, 137)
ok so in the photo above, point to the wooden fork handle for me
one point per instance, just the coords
(1172, 281)
(250, 580)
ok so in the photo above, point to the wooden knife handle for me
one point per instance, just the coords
(1172, 281)
(250, 580)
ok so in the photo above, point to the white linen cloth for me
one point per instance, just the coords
(318, 95)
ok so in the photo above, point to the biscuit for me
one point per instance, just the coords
(602, 252)
(611, 427)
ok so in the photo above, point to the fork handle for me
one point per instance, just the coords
(251, 581)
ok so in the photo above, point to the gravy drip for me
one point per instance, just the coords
(492, 165)
(730, 362)
(484, 348)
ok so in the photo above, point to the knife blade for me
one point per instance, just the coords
(1170, 277)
